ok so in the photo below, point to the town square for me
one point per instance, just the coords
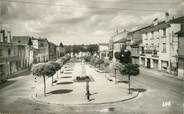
(91, 57)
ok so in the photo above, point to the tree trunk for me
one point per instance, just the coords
(129, 83)
(52, 80)
(44, 81)
(57, 74)
(115, 75)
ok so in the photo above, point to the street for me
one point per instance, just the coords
(163, 95)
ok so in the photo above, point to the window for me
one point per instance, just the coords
(1, 70)
(182, 27)
(152, 35)
(157, 34)
(1, 52)
(1, 37)
(164, 31)
(146, 36)
(164, 48)
(9, 51)
(41, 44)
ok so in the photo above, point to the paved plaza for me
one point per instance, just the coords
(164, 94)
(68, 92)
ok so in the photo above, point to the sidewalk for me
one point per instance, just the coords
(68, 92)
(159, 73)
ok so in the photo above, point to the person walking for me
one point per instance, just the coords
(87, 90)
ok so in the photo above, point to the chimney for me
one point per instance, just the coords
(155, 21)
(167, 17)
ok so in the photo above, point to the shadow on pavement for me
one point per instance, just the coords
(138, 89)
(64, 83)
(67, 72)
(60, 91)
(123, 82)
(66, 77)
(5, 84)
(94, 93)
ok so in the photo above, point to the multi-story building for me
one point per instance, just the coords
(52, 51)
(12, 56)
(159, 46)
(60, 51)
(180, 35)
(27, 43)
(119, 42)
(104, 50)
(135, 39)
(41, 50)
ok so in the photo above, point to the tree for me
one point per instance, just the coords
(87, 58)
(129, 69)
(99, 62)
(92, 48)
(30, 43)
(61, 44)
(117, 55)
(57, 66)
(106, 65)
(43, 69)
(60, 62)
(117, 66)
(92, 60)
(125, 56)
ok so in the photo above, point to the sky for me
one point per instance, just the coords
(82, 21)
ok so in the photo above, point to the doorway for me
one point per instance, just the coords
(148, 63)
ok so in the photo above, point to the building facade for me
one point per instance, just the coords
(41, 50)
(52, 51)
(119, 42)
(12, 56)
(27, 43)
(60, 51)
(133, 46)
(104, 50)
(159, 46)
(180, 36)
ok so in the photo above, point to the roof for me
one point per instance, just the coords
(178, 20)
(106, 44)
(24, 40)
(39, 39)
(180, 33)
(140, 29)
(123, 40)
(136, 42)
(163, 24)
(159, 26)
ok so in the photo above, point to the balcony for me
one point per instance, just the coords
(148, 51)
(155, 55)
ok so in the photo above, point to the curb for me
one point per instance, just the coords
(83, 104)
(162, 74)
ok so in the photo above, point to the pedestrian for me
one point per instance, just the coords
(87, 89)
